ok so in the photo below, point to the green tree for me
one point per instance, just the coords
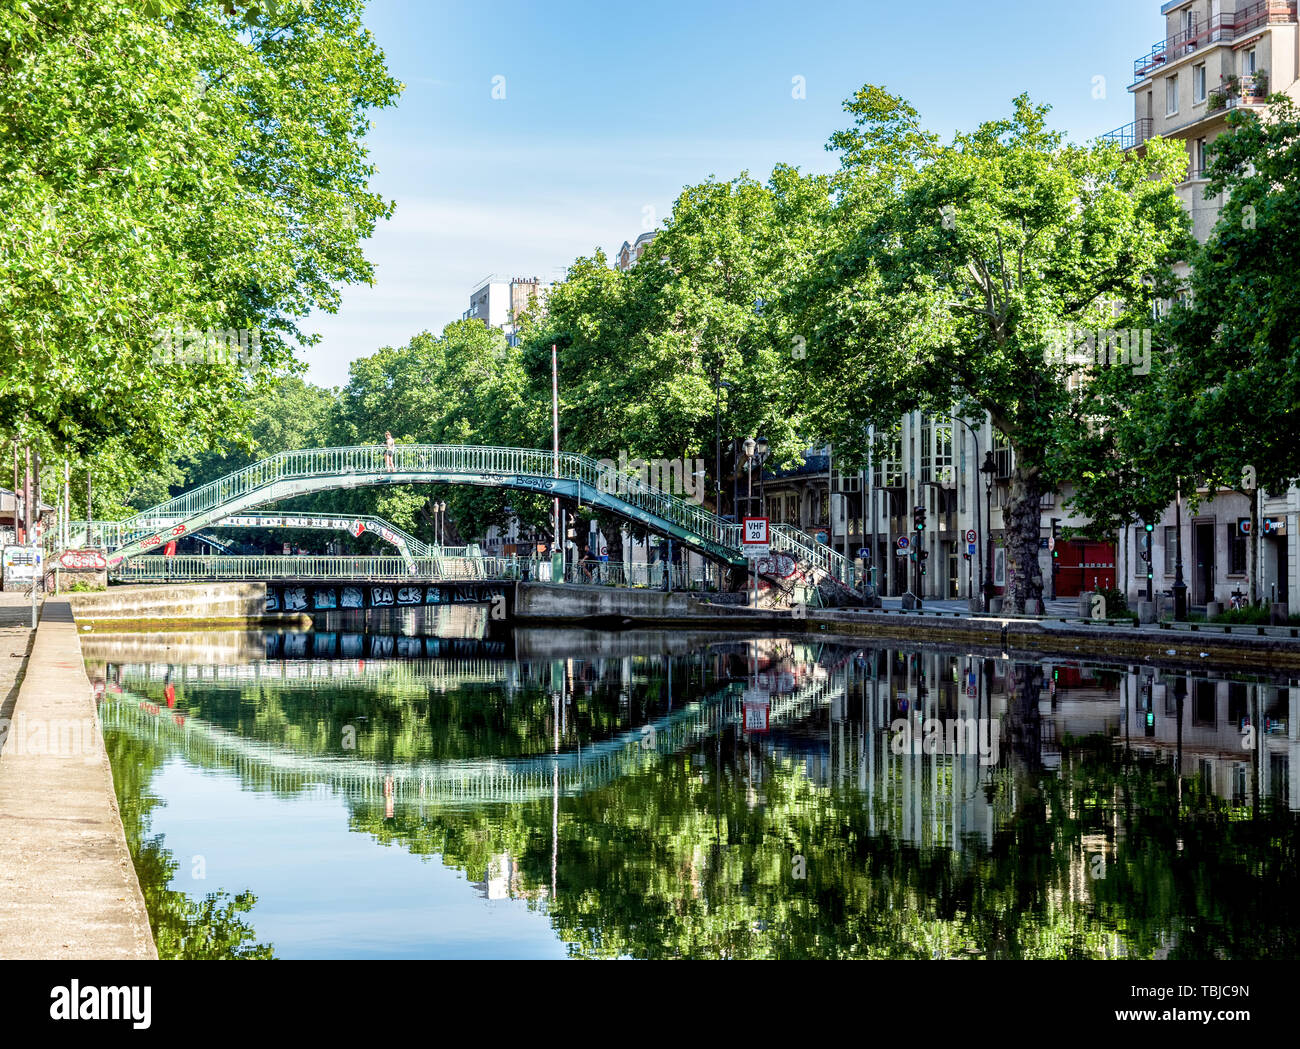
(962, 267)
(172, 165)
(463, 387)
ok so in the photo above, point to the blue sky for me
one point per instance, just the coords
(610, 109)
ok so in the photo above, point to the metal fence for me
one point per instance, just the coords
(188, 567)
(153, 568)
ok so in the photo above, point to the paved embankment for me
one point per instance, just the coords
(186, 601)
(1244, 648)
(68, 889)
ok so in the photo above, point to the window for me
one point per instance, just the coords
(1248, 63)
(888, 457)
(1171, 95)
(1198, 159)
(1198, 83)
(1236, 551)
(1171, 550)
(936, 449)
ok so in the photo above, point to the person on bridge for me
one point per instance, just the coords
(390, 446)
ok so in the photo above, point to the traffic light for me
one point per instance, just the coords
(918, 518)
(1149, 528)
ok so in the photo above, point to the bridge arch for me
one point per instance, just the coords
(566, 475)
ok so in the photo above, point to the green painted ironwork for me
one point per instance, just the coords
(568, 476)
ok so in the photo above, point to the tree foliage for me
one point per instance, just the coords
(172, 166)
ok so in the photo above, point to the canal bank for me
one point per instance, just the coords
(240, 605)
(1245, 647)
(68, 888)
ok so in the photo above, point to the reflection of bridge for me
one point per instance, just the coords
(566, 476)
(463, 782)
(440, 674)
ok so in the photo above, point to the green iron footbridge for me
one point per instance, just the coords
(576, 478)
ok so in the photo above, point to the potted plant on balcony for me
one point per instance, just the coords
(1232, 83)
(1260, 88)
(1217, 100)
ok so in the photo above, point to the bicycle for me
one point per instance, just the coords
(1237, 600)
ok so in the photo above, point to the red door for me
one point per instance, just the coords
(1083, 564)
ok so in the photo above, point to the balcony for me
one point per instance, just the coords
(1219, 29)
(1130, 135)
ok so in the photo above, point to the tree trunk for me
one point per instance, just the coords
(1022, 522)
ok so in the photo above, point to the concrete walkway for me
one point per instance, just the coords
(68, 889)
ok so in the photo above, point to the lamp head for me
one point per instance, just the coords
(749, 447)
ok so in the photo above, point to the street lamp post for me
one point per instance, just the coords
(976, 492)
(988, 470)
(1180, 586)
(721, 385)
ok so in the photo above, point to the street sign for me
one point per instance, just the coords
(904, 542)
(972, 536)
(1051, 542)
(757, 707)
(1243, 526)
(970, 549)
(971, 691)
(823, 538)
(1273, 526)
(864, 552)
(754, 538)
(22, 564)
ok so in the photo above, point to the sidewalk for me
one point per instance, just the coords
(68, 888)
(1068, 607)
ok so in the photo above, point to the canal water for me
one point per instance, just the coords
(415, 785)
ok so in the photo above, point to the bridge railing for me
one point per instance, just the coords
(305, 567)
(113, 534)
(625, 574)
(515, 467)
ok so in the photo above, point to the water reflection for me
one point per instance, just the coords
(652, 794)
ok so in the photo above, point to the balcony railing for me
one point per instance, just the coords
(1130, 135)
(1218, 29)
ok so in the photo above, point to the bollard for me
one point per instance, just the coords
(1146, 612)
(1213, 609)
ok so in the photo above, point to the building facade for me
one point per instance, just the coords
(499, 301)
(1216, 56)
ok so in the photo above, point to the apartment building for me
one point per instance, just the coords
(499, 301)
(959, 471)
(1216, 56)
(630, 253)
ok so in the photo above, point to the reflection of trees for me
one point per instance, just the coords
(664, 864)
(694, 855)
(405, 721)
(212, 927)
